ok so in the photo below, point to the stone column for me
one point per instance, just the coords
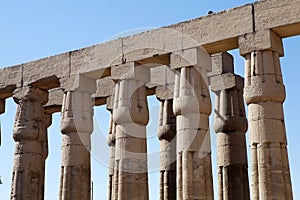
(265, 93)
(30, 135)
(2, 105)
(2, 110)
(192, 107)
(230, 124)
(166, 135)
(130, 113)
(111, 140)
(76, 128)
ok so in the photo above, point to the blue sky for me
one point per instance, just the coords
(31, 29)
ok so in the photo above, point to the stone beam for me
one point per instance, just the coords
(216, 33)
(11, 78)
(147, 46)
(282, 16)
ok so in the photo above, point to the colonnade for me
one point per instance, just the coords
(183, 132)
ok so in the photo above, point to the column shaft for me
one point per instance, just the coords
(111, 143)
(265, 94)
(166, 135)
(76, 128)
(230, 124)
(192, 107)
(30, 135)
(130, 113)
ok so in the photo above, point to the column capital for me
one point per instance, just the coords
(261, 40)
(30, 93)
(167, 120)
(30, 110)
(228, 88)
(163, 93)
(191, 94)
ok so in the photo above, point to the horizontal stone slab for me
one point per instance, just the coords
(282, 16)
(216, 33)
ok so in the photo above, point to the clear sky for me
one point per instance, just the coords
(31, 29)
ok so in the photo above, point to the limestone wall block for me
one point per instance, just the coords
(129, 130)
(21, 165)
(192, 121)
(231, 138)
(133, 144)
(267, 131)
(167, 155)
(265, 110)
(230, 123)
(31, 147)
(260, 40)
(192, 140)
(79, 155)
(231, 155)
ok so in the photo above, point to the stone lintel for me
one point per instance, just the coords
(219, 32)
(162, 76)
(131, 71)
(155, 60)
(282, 16)
(261, 40)
(226, 81)
(105, 87)
(55, 101)
(10, 78)
(57, 66)
(197, 57)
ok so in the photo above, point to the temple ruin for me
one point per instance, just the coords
(180, 64)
